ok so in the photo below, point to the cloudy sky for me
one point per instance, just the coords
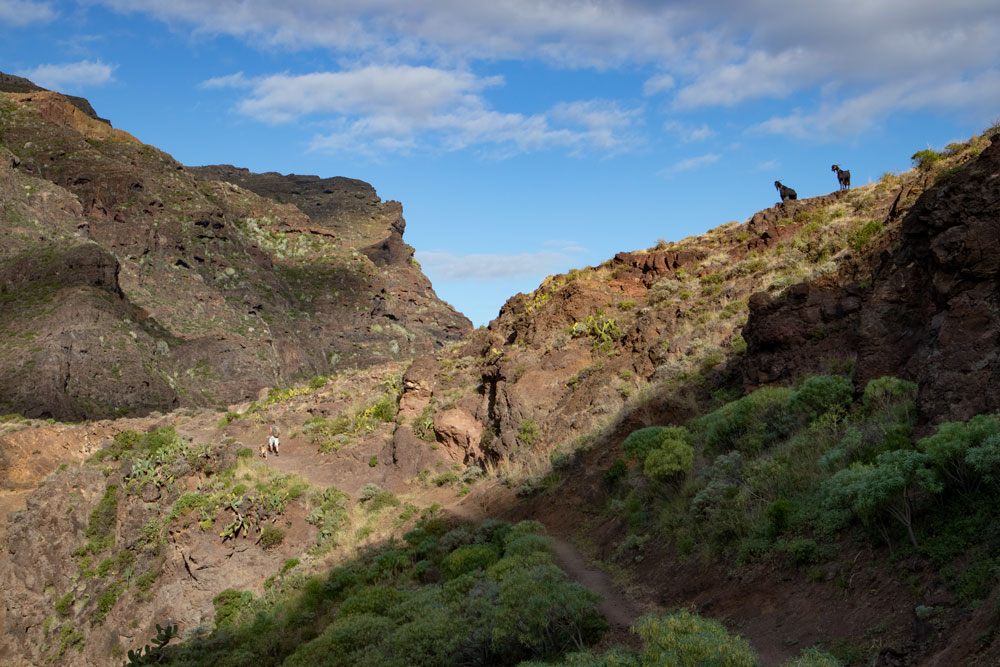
(528, 137)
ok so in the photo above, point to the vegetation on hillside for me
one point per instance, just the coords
(486, 595)
(787, 474)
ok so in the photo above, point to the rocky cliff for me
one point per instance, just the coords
(129, 284)
(927, 310)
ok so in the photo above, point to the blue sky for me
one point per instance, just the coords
(528, 137)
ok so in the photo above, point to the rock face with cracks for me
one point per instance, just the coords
(130, 284)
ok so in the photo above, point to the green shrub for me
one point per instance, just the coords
(684, 639)
(372, 600)
(976, 581)
(669, 460)
(862, 235)
(375, 498)
(813, 657)
(145, 581)
(101, 525)
(750, 424)
(187, 503)
(271, 537)
(527, 432)
(821, 394)
(615, 473)
(541, 612)
(888, 488)
(64, 605)
(445, 479)
(341, 640)
(778, 516)
(526, 545)
(884, 391)
(106, 601)
(229, 604)
(925, 159)
(639, 444)
(228, 418)
(468, 559)
(370, 491)
(959, 448)
(388, 564)
(805, 551)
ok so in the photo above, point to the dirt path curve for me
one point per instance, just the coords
(618, 608)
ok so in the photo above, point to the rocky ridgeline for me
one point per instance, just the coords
(606, 349)
(129, 283)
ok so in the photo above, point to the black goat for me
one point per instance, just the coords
(843, 177)
(785, 193)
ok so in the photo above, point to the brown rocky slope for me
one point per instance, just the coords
(130, 285)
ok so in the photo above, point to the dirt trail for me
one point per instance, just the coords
(618, 607)
(299, 458)
(620, 610)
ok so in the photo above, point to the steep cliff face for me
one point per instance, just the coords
(351, 211)
(130, 285)
(928, 310)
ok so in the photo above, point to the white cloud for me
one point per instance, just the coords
(446, 266)
(603, 124)
(20, 13)
(979, 96)
(396, 98)
(228, 81)
(71, 77)
(760, 75)
(838, 53)
(395, 108)
(691, 163)
(563, 32)
(658, 84)
(689, 133)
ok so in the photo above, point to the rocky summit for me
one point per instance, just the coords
(776, 443)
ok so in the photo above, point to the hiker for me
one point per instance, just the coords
(272, 441)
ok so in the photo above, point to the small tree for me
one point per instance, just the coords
(889, 487)
(949, 448)
(925, 159)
